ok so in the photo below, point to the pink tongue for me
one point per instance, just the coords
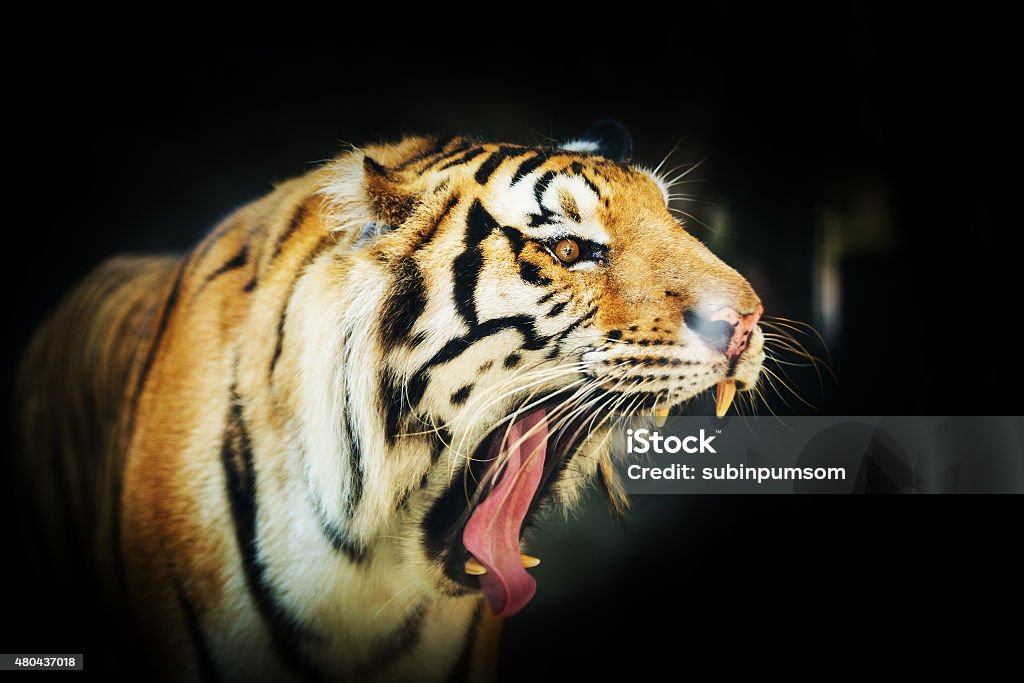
(492, 534)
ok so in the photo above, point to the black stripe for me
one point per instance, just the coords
(444, 519)
(434, 150)
(325, 242)
(528, 167)
(464, 664)
(467, 266)
(373, 166)
(515, 239)
(341, 540)
(556, 309)
(117, 483)
(544, 214)
(262, 228)
(259, 228)
(589, 315)
(524, 324)
(448, 512)
(354, 441)
(298, 216)
(207, 667)
(402, 305)
(540, 187)
(338, 539)
(236, 261)
(165, 316)
(468, 156)
(436, 443)
(560, 337)
(403, 639)
(279, 345)
(577, 168)
(546, 298)
(355, 454)
(462, 394)
(539, 219)
(214, 236)
(591, 185)
(442, 437)
(445, 155)
(491, 164)
(417, 385)
(530, 272)
(287, 633)
(392, 405)
(428, 235)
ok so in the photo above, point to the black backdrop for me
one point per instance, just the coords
(854, 151)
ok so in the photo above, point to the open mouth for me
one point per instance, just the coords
(475, 529)
(513, 471)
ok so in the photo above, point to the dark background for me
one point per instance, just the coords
(859, 171)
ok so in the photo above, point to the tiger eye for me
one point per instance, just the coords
(567, 250)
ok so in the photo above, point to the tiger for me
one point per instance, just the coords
(310, 447)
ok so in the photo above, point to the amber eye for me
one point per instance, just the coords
(567, 250)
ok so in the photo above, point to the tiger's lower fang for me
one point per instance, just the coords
(528, 560)
(474, 568)
(661, 414)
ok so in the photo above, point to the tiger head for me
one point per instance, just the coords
(523, 296)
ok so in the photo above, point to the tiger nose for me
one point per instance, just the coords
(726, 330)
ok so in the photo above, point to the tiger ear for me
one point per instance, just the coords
(608, 138)
(391, 203)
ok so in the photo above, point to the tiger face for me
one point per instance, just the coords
(533, 293)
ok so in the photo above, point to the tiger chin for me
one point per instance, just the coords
(307, 449)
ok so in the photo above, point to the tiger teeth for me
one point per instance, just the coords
(661, 414)
(474, 568)
(528, 560)
(726, 392)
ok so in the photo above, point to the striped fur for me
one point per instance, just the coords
(255, 442)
